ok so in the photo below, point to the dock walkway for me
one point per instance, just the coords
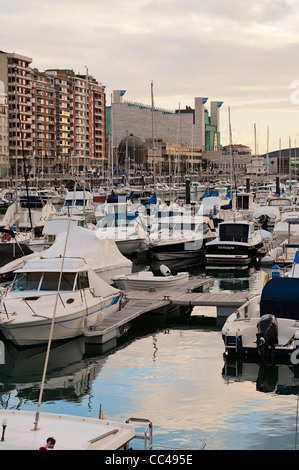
(140, 302)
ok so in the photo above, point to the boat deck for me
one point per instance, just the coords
(140, 302)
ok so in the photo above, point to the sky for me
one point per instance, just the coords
(242, 53)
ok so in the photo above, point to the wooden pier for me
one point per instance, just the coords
(140, 302)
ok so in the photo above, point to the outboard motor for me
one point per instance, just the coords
(267, 335)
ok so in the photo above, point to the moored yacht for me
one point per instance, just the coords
(180, 237)
(127, 230)
(29, 307)
(267, 325)
(237, 243)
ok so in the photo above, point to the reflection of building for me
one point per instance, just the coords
(188, 127)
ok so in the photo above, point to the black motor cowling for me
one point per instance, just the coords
(267, 335)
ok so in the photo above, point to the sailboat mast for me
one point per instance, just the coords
(153, 137)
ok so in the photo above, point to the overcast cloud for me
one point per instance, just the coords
(242, 53)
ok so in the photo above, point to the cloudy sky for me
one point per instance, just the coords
(242, 53)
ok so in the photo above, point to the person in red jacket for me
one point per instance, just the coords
(49, 445)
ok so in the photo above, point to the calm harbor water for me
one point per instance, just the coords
(171, 371)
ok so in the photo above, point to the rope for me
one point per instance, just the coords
(52, 325)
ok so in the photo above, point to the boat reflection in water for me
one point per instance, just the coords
(70, 373)
(279, 377)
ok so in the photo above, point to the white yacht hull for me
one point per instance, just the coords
(32, 325)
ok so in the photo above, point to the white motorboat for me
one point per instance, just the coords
(266, 217)
(27, 308)
(54, 225)
(237, 243)
(102, 255)
(127, 230)
(180, 236)
(145, 280)
(267, 325)
(23, 431)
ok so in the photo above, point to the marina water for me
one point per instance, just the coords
(171, 371)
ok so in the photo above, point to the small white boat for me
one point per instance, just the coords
(145, 280)
(81, 296)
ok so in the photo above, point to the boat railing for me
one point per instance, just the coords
(147, 435)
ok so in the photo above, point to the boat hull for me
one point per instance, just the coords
(36, 329)
(159, 283)
(180, 250)
(230, 253)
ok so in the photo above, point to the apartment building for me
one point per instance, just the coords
(4, 158)
(80, 121)
(55, 118)
(43, 158)
(15, 74)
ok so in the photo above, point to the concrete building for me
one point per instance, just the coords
(55, 118)
(15, 74)
(80, 121)
(4, 151)
(192, 127)
(43, 158)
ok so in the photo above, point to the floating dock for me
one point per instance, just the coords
(139, 302)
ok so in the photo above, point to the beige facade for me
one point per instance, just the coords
(15, 74)
(4, 151)
(55, 118)
(183, 126)
(43, 158)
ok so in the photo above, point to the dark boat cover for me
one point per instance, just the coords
(280, 297)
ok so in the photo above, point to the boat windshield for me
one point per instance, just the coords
(78, 202)
(233, 232)
(43, 281)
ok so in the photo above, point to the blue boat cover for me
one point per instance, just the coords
(280, 297)
(152, 200)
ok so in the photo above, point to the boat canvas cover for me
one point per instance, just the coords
(280, 297)
(99, 254)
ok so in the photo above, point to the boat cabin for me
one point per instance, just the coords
(234, 231)
(244, 201)
(48, 281)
